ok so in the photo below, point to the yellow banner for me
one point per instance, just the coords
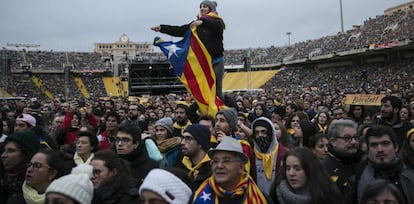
(364, 99)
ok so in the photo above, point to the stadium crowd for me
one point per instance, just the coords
(296, 141)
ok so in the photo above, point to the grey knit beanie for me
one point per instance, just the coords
(231, 116)
(166, 123)
(211, 4)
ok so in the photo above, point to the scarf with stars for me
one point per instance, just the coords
(209, 192)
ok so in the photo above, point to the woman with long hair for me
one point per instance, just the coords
(303, 179)
(259, 110)
(169, 146)
(407, 151)
(18, 149)
(44, 167)
(322, 122)
(319, 145)
(111, 179)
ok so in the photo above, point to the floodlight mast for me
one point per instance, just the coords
(26, 45)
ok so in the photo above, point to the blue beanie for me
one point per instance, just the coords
(201, 134)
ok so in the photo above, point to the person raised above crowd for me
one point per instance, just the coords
(210, 28)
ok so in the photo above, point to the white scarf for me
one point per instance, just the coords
(78, 160)
(31, 196)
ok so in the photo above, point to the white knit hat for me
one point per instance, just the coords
(78, 187)
(167, 185)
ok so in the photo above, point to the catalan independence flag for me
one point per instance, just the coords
(192, 64)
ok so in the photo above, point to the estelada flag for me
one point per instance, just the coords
(193, 65)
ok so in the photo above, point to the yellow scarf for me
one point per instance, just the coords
(169, 143)
(291, 131)
(193, 171)
(182, 128)
(322, 128)
(213, 139)
(246, 188)
(78, 160)
(267, 160)
(31, 196)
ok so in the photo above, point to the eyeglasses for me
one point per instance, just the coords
(187, 138)
(375, 145)
(36, 165)
(348, 138)
(123, 140)
(225, 161)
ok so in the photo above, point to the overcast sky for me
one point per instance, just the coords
(74, 25)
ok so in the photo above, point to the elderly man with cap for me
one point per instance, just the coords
(229, 182)
(195, 144)
(169, 146)
(210, 28)
(226, 126)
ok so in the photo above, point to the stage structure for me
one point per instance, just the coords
(152, 77)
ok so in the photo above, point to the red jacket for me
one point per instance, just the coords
(71, 135)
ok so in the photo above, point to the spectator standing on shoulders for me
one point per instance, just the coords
(210, 28)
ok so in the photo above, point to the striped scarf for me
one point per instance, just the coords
(209, 192)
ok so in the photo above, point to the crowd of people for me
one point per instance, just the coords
(311, 149)
(296, 141)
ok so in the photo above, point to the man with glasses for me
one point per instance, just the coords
(195, 144)
(129, 147)
(383, 163)
(229, 182)
(339, 112)
(342, 159)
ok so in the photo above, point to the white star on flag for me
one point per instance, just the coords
(172, 49)
(206, 196)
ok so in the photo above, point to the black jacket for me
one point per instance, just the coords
(210, 33)
(116, 192)
(340, 168)
(140, 164)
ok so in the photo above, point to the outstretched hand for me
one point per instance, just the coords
(156, 28)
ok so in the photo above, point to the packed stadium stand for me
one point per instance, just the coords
(373, 57)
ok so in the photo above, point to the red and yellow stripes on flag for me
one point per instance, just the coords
(198, 77)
